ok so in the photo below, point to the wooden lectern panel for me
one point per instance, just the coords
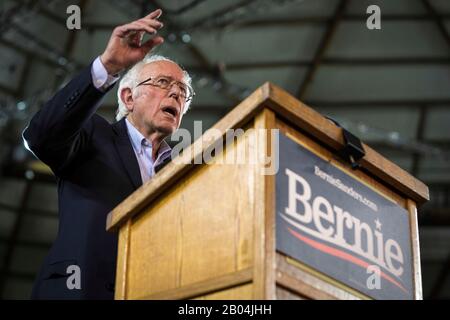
(189, 237)
(237, 293)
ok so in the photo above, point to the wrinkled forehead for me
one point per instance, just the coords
(159, 68)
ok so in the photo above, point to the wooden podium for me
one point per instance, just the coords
(209, 231)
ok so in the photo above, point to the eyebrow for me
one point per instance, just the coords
(162, 75)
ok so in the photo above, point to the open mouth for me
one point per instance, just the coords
(172, 111)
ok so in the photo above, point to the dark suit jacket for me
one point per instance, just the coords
(96, 169)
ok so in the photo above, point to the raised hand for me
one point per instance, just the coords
(125, 47)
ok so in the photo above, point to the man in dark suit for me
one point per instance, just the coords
(97, 165)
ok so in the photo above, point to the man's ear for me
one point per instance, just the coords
(126, 95)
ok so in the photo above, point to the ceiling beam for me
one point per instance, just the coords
(321, 20)
(29, 59)
(34, 212)
(384, 146)
(378, 103)
(438, 20)
(8, 16)
(32, 37)
(322, 47)
(206, 21)
(423, 115)
(52, 16)
(288, 22)
(28, 52)
(347, 62)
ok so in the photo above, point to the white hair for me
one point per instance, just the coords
(131, 77)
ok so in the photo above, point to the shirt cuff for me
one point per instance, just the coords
(100, 77)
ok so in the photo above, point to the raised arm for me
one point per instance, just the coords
(62, 128)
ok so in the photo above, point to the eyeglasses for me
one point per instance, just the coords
(166, 83)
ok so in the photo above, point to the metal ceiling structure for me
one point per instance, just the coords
(391, 87)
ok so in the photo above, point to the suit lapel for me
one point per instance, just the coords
(126, 153)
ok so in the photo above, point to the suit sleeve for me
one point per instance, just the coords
(62, 128)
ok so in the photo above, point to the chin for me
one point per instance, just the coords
(167, 130)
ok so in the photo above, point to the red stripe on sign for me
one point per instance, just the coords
(342, 255)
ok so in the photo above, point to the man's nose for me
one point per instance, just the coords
(174, 91)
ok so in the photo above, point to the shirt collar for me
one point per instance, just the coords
(164, 148)
(138, 140)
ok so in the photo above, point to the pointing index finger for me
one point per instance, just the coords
(155, 14)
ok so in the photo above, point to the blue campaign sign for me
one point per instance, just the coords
(337, 225)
